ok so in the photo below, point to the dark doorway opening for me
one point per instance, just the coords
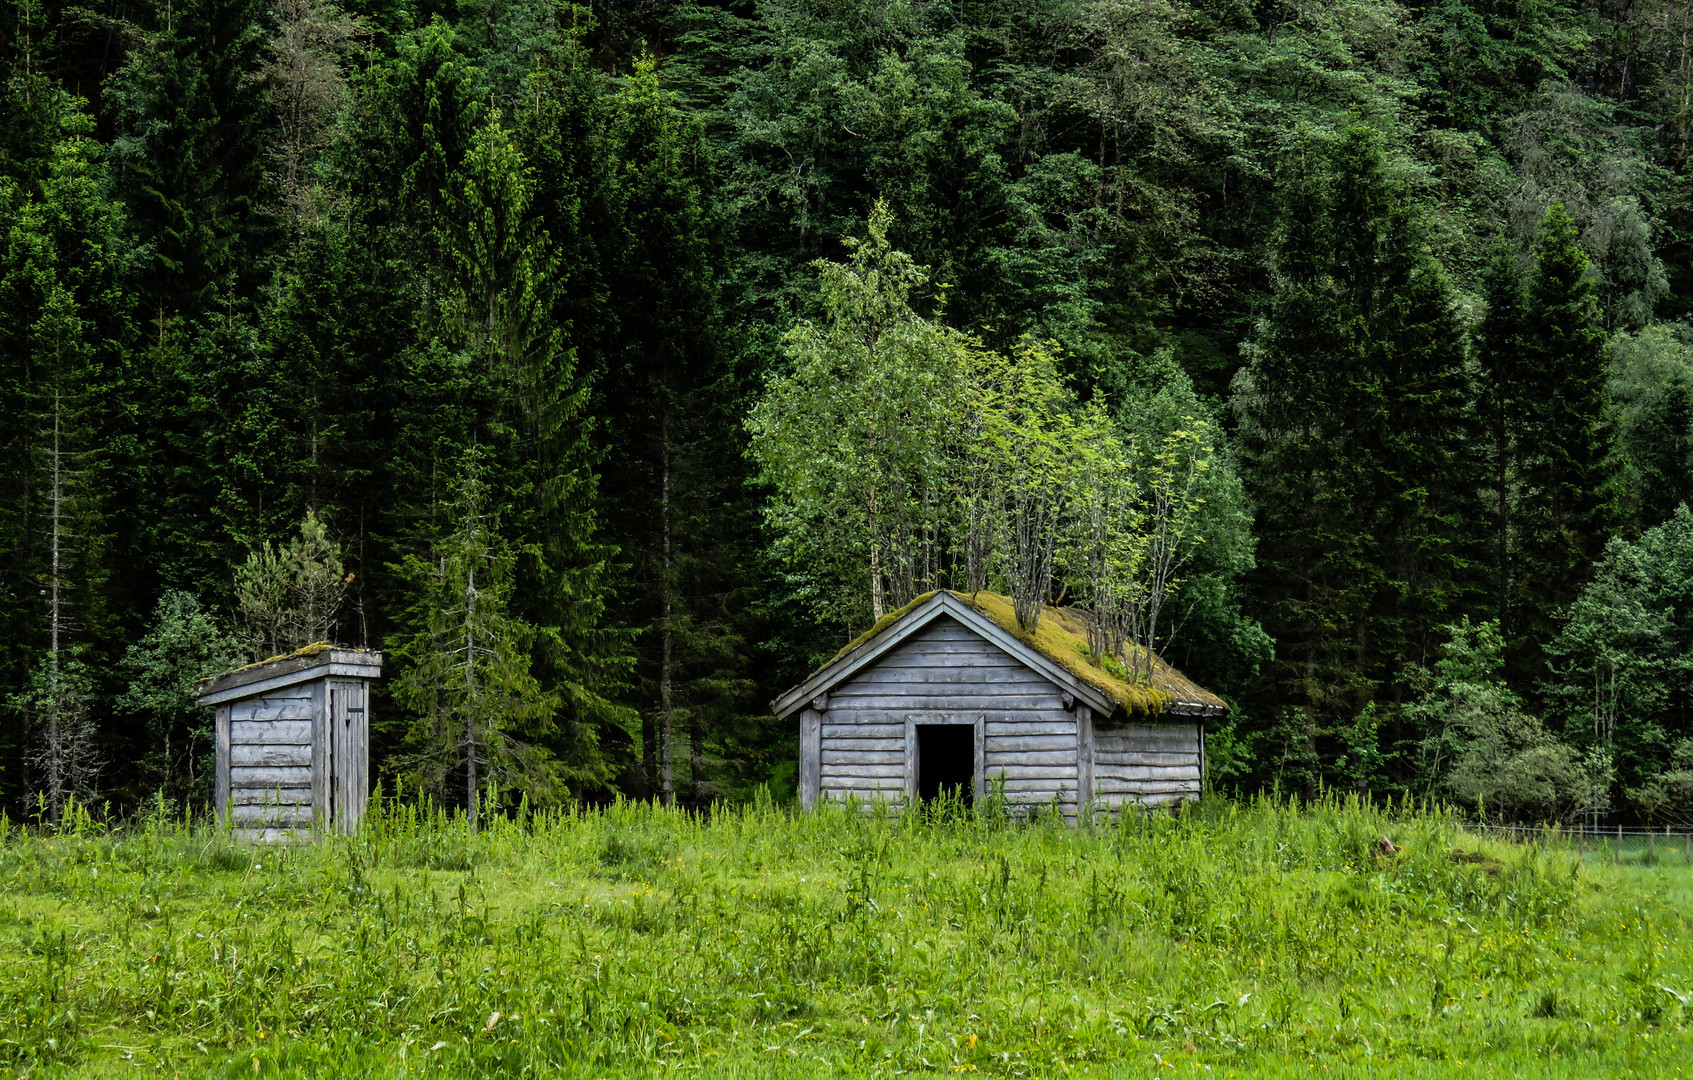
(946, 761)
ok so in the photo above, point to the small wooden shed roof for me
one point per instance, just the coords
(314, 661)
(1057, 649)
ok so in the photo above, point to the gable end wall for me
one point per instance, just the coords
(946, 669)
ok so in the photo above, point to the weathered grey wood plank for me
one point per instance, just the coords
(1149, 736)
(1084, 752)
(1056, 762)
(832, 756)
(886, 789)
(1015, 744)
(270, 732)
(287, 796)
(946, 630)
(291, 816)
(1060, 725)
(863, 783)
(975, 701)
(1112, 786)
(268, 776)
(810, 756)
(289, 754)
(1065, 771)
(866, 746)
(891, 674)
(1156, 757)
(1148, 772)
(323, 791)
(1038, 795)
(831, 770)
(220, 736)
(946, 656)
(268, 708)
(832, 732)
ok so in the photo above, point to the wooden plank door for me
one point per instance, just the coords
(349, 757)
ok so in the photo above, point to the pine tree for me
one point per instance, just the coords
(192, 113)
(480, 718)
(1356, 427)
(1563, 504)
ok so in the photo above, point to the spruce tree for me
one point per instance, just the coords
(1498, 348)
(672, 404)
(1562, 508)
(192, 116)
(1356, 422)
(478, 716)
(63, 329)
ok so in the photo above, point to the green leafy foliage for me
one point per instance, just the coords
(1621, 667)
(1409, 272)
(182, 645)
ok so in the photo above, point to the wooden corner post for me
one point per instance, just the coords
(810, 757)
(1084, 763)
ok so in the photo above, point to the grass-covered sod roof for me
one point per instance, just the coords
(1061, 636)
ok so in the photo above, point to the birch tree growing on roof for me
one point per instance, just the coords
(1135, 530)
(853, 435)
(1029, 438)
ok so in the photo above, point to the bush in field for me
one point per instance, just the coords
(1483, 748)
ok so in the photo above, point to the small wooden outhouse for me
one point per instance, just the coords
(293, 741)
(949, 692)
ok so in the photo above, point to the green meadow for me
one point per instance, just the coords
(1242, 939)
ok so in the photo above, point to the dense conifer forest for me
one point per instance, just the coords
(1336, 348)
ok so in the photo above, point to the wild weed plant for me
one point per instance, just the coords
(1249, 939)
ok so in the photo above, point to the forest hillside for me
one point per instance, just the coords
(609, 365)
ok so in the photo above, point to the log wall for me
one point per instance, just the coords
(946, 673)
(269, 739)
(1152, 764)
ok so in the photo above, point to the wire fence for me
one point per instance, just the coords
(1642, 847)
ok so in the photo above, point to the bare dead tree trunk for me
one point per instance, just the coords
(666, 715)
(471, 793)
(56, 750)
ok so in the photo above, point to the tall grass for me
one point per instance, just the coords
(1249, 939)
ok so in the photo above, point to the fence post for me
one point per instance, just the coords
(1616, 852)
(1651, 846)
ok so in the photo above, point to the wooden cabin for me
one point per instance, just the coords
(293, 741)
(949, 692)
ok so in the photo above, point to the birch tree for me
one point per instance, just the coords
(1028, 444)
(853, 435)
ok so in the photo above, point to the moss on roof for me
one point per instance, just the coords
(1061, 636)
(316, 648)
